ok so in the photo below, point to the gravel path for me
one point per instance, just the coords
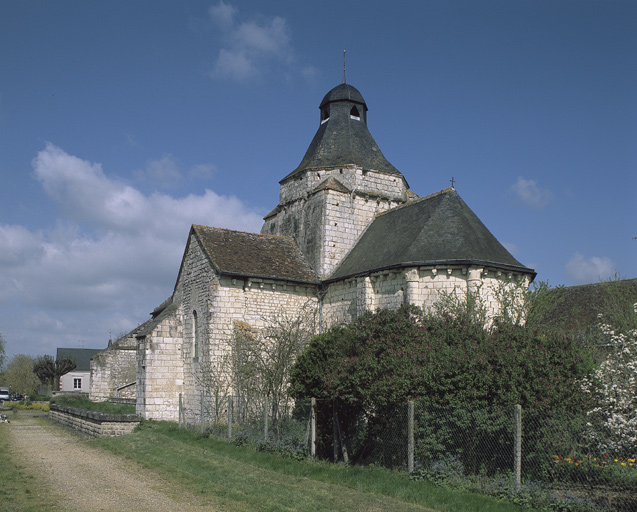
(85, 478)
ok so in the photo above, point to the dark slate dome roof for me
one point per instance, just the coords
(343, 138)
(343, 92)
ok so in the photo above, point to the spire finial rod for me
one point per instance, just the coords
(343, 66)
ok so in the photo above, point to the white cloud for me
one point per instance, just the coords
(223, 14)
(251, 47)
(234, 65)
(111, 257)
(528, 193)
(164, 173)
(589, 270)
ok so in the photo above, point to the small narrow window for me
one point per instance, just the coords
(354, 114)
(195, 329)
(325, 115)
(77, 383)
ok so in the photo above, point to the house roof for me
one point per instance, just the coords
(254, 255)
(437, 229)
(343, 140)
(81, 356)
(574, 309)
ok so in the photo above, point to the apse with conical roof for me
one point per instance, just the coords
(342, 182)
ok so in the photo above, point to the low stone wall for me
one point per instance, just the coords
(92, 423)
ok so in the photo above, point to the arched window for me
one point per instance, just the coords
(195, 337)
(354, 114)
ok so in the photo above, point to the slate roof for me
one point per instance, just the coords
(342, 141)
(159, 313)
(252, 255)
(437, 229)
(81, 356)
(331, 184)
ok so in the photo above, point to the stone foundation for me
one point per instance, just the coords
(93, 423)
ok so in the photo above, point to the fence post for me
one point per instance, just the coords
(201, 410)
(230, 418)
(410, 436)
(179, 412)
(313, 428)
(265, 420)
(517, 454)
(334, 431)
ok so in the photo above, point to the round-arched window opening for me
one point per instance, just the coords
(354, 114)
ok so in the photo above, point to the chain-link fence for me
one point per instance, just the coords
(547, 458)
(283, 427)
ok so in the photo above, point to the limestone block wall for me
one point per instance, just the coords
(210, 307)
(248, 302)
(355, 178)
(160, 371)
(345, 219)
(421, 286)
(112, 368)
(197, 284)
(326, 223)
(92, 423)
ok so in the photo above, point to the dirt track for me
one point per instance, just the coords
(85, 478)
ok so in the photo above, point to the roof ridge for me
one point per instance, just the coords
(287, 237)
(415, 201)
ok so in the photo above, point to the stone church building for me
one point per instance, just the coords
(346, 236)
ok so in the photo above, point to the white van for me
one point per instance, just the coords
(4, 394)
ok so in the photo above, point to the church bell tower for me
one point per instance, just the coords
(341, 184)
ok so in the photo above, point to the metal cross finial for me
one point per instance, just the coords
(343, 66)
(452, 182)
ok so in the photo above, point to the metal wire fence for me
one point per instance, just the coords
(557, 459)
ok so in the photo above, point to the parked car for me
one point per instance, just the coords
(5, 394)
(16, 397)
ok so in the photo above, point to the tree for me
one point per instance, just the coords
(3, 344)
(19, 375)
(255, 363)
(613, 422)
(49, 370)
(390, 356)
(365, 372)
(262, 359)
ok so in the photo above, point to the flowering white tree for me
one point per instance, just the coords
(613, 423)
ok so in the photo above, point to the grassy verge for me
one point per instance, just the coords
(19, 490)
(242, 479)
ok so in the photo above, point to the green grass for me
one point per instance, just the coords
(239, 478)
(19, 490)
(84, 403)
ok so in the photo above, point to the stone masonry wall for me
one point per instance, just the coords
(209, 308)
(251, 303)
(327, 223)
(112, 368)
(369, 182)
(160, 372)
(93, 424)
(421, 286)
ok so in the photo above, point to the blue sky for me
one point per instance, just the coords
(122, 123)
